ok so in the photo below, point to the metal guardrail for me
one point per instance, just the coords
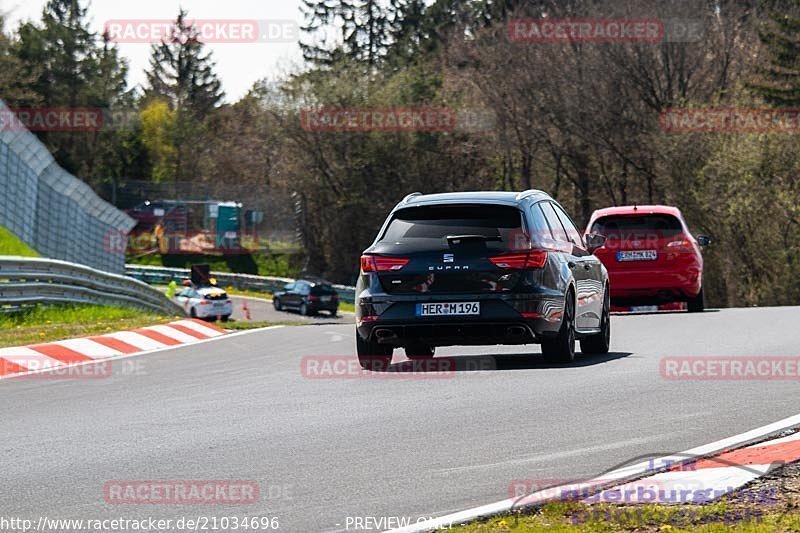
(267, 284)
(26, 281)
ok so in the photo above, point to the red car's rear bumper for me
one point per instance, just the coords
(656, 284)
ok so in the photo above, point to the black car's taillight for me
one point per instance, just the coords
(382, 263)
(532, 260)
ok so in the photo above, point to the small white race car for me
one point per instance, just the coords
(208, 303)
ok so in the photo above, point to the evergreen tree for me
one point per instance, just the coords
(780, 80)
(182, 73)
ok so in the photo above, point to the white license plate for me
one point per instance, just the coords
(219, 304)
(449, 309)
(325, 298)
(644, 309)
(637, 255)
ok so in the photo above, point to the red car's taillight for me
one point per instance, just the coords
(525, 261)
(382, 263)
(680, 245)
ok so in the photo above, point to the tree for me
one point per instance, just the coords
(15, 79)
(779, 82)
(158, 133)
(363, 31)
(182, 74)
(69, 66)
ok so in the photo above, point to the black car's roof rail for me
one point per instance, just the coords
(410, 196)
(529, 192)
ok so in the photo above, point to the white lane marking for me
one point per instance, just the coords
(208, 332)
(28, 358)
(172, 333)
(147, 352)
(622, 474)
(89, 348)
(557, 455)
(136, 339)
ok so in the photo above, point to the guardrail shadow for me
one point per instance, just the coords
(494, 362)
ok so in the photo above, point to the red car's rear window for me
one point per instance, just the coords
(624, 227)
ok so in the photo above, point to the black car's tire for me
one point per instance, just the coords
(561, 349)
(334, 312)
(303, 309)
(600, 343)
(420, 351)
(696, 304)
(373, 356)
(276, 303)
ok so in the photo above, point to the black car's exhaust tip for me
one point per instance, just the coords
(385, 335)
(516, 331)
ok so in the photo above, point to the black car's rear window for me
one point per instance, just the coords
(431, 225)
(322, 289)
(638, 227)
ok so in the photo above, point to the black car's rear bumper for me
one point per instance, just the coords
(503, 319)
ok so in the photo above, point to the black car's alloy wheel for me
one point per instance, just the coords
(373, 356)
(561, 349)
(600, 343)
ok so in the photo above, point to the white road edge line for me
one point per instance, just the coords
(622, 474)
(137, 354)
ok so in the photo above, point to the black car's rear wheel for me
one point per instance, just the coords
(696, 304)
(373, 356)
(601, 342)
(276, 303)
(561, 349)
(420, 351)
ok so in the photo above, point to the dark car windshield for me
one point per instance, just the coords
(498, 227)
(624, 227)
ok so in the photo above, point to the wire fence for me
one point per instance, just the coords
(51, 210)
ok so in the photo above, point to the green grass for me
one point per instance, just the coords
(582, 518)
(280, 265)
(11, 245)
(50, 323)
(245, 325)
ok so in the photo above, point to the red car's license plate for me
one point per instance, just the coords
(637, 255)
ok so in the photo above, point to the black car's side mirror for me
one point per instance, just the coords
(703, 240)
(594, 241)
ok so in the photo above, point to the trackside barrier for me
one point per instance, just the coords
(26, 281)
(163, 275)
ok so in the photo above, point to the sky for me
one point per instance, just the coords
(238, 64)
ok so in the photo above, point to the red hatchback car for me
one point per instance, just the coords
(650, 255)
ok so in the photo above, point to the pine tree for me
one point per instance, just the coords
(780, 80)
(182, 73)
(364, 31)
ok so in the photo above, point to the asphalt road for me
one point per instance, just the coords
(261, 310)
(323, 450)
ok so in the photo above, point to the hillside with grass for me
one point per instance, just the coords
(11, 245)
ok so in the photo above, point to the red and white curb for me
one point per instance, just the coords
(719, 466)
(704, 480)
(53, 355)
